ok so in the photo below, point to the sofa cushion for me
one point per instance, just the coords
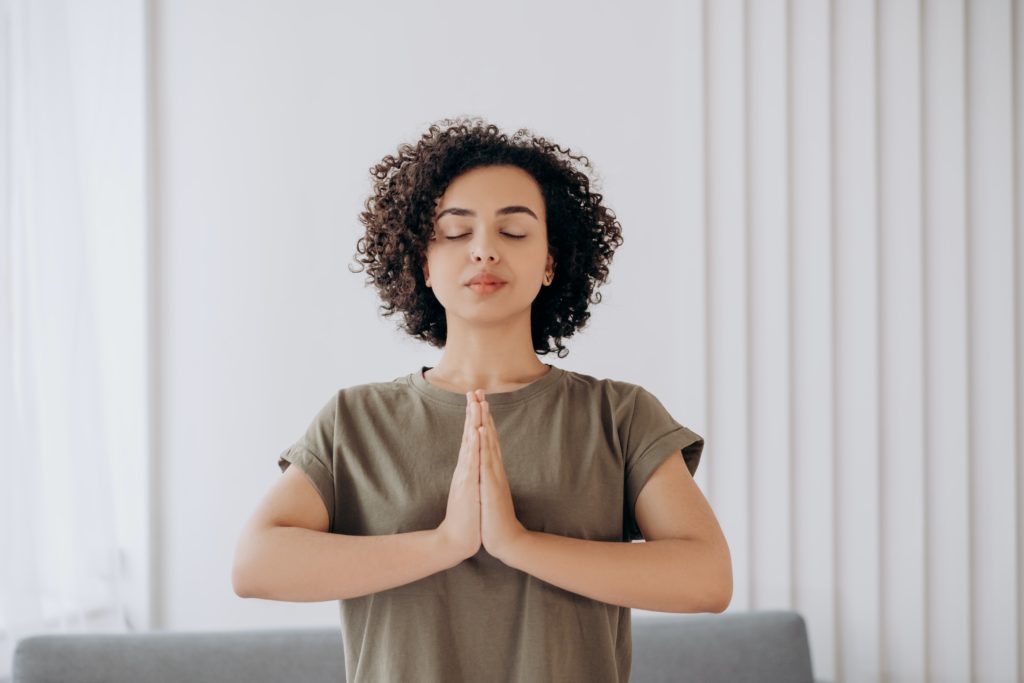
(738, 647)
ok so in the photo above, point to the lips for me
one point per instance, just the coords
(485, 279)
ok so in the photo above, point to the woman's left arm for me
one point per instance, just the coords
(684, 564)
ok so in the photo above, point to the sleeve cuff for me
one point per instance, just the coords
(315, 471)
(681, 439)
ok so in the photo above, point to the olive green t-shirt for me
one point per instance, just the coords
(577, 451)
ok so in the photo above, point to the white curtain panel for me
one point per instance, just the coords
(68, 210)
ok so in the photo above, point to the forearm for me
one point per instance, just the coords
(668, 575)
(295, 564)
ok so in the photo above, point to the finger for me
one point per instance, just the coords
(492, 432)
(467, 427)
(474, 472)
(487, 438)
(488, 424)
(478, 457)
(493, 461)
(485, 450)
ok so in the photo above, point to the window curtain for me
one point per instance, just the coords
(62, 566)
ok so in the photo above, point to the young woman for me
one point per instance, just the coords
(474, 518)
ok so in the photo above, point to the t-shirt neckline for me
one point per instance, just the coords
(420, 383)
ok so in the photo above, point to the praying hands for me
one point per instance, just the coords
(480, 510)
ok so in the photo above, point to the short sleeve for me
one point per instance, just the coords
(313, 453)
(652, 436)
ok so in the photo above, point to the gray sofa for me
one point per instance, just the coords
(764, 646)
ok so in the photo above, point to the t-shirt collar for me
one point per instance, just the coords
(420, 383)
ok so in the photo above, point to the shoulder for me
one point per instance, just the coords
(347, 406)
(372, 395)
(626, 403)
(612, 391)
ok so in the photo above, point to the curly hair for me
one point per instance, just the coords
(582, 233)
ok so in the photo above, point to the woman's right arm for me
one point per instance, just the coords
(286, 553)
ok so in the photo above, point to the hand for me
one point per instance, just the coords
(499, 528)
(461, 525)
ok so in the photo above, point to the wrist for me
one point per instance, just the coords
(511, 550)
(447, 547)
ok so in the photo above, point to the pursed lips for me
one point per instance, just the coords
(486, 280)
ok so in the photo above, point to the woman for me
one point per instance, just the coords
(473, 518)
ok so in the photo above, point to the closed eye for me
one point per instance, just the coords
(515, 237)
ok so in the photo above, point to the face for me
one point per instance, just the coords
(489, 218)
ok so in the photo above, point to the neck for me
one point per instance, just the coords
(488, 358)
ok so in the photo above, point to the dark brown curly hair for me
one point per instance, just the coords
(399, 218)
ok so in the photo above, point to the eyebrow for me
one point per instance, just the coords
(500, 212)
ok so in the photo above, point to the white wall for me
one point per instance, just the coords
(267, 119)
(821, 275)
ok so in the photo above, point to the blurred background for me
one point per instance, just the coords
(821, 274)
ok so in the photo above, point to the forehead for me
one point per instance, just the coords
(488, 188)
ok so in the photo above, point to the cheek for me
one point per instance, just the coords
(442, 268)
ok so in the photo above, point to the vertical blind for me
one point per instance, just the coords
(856, 170)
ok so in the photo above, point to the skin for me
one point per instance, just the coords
(489, 346)
(500, 529)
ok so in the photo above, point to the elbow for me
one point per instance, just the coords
(725, 596)
(708, 583)
(247, 565)
(723, 602)
(722, 597)
(239, 583)
(718, 600)
(720, 581)
(242, 580)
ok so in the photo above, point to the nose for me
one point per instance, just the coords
(483, 247)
